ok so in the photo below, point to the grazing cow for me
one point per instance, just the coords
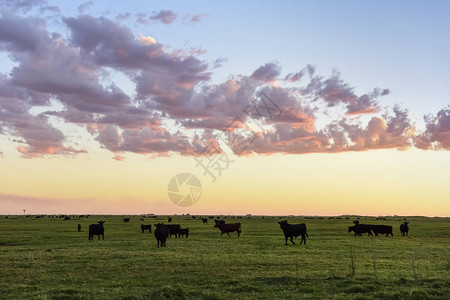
(404, 228)
(205, 220)
(293, 230)
(79, 227)
(169, 219)
(174, 229)
(126, 220)
(146, 227)
(383, 229)
(184, 231)
(97, 229)
(227, 228)
(359, 229)
(66, 218)
(161, 234)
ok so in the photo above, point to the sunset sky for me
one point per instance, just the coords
(308, 107)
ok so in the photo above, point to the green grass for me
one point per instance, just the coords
(48, 259)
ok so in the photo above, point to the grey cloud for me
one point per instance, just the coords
(83, 7)
(165, 16)
(267, 73)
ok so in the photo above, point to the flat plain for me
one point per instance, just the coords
(48, 258)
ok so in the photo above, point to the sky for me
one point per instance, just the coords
(276, 107)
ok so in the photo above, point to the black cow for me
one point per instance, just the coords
(360, 229)
(169, 219)
(67, 218)
(184, 231)
(126, 220)
(293, 230)
(161, 234)
(227, 228)
(404, 228)
(205, 220)
(97, 229)
(383, 229)
(219, 222)
(174, 229)
(79, 227)
(146, 227)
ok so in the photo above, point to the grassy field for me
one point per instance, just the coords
(48, 259)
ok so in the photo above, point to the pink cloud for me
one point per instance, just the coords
(175, 87)
(197, 18)
(437, 133)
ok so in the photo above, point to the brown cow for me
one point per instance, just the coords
(227, 228)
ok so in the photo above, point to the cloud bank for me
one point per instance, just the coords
(72, 69)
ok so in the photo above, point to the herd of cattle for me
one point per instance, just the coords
(290, 231)
(359, 229)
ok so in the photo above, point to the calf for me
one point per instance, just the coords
(383, 229)
(227, 228)
(161, 234)
(184, 231)
(404, 228)
(79, 227)
(97, 229)
(205, 220)
(293, 230)
(146, 227)
(126, 220)
(359, 229)
(174, 229)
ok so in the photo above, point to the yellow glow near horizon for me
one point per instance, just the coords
(382, 182)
